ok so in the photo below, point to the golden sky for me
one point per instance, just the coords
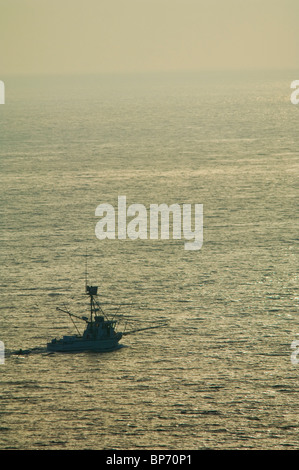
(103, 36)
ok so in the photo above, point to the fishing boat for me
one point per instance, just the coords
(100, 333)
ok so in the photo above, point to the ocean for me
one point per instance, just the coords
(220, 375)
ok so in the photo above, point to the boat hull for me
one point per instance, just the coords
(77, 345)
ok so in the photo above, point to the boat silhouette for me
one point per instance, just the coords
(100, 333)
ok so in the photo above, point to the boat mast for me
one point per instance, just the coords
(86, 271)
(90, 290)
(90, 307)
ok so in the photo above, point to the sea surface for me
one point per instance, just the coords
(220, 375)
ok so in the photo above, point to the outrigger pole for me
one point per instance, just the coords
(146, 328)
(73, 315)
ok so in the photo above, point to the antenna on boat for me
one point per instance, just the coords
(86, 271)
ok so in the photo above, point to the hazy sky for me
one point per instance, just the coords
(90, 36)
